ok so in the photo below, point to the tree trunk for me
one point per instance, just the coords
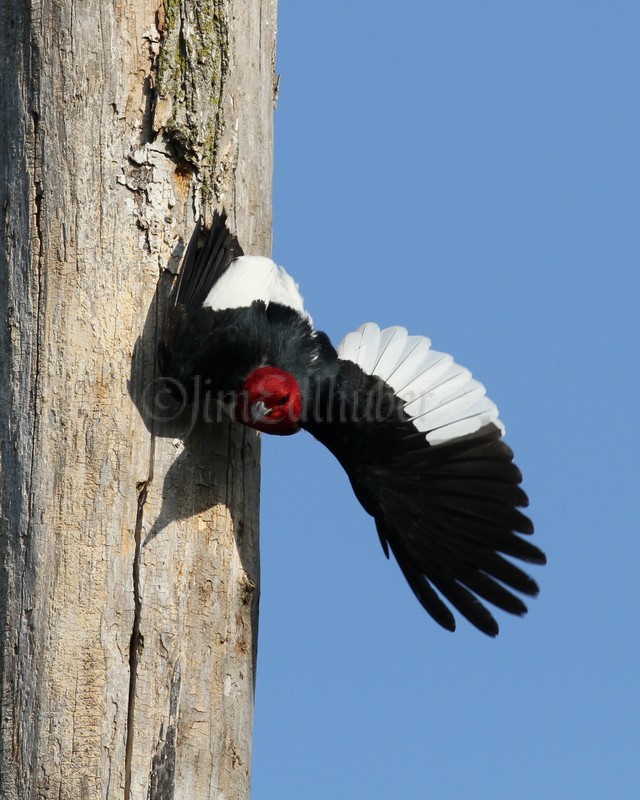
(129, 535)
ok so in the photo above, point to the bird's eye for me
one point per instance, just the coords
(283, 400)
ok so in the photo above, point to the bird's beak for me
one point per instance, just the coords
(258, 411)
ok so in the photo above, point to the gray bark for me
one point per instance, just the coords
(129, 536)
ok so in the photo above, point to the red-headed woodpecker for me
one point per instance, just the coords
(416, 434)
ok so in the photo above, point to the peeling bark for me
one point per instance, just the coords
(128, 539)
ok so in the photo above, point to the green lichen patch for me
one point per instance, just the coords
(192, 67)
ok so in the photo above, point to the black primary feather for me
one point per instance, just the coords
(446, 511)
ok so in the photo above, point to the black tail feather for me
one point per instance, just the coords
(204, 263)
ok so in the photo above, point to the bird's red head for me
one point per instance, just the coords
(270, 401)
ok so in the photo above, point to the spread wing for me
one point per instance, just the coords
(430, 466)
(449, 513)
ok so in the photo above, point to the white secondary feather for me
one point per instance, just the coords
(251, 278)
(441, 397)
(392, 345)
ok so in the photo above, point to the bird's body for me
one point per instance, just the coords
(416, 434)
(225, 323)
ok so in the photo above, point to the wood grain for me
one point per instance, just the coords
(129, 567)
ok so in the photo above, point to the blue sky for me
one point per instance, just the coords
(469, 170)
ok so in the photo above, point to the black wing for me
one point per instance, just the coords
(448, 512)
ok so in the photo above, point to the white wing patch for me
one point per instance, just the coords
(251, 278)
(441, 397)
